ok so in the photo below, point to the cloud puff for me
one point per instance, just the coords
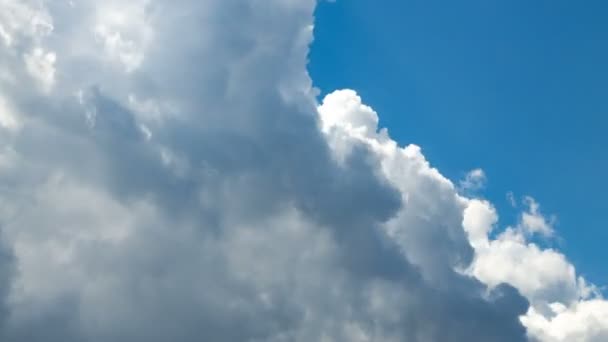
(564, 307)
(167, 174)
(584, 321)
(474, 180)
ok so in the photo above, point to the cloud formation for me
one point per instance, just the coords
(563, 306)
(166, 173)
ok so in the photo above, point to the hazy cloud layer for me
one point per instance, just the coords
(166, 174)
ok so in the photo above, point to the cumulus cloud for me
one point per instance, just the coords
(541, 274)
(563, 306)
(167, 174)
(584, 321)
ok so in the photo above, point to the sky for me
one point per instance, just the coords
(517, 88)
(247, 170)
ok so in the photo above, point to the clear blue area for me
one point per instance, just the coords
(518, 88)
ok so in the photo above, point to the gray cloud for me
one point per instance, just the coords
(169, 181)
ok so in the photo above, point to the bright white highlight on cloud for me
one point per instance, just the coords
(8, 119)
(166, 174)
(121, 29)
(584, 321)
(563, 306)
(41, 66)
(23, 19)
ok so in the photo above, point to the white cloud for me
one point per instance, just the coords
(479, 220)
(123, 31)
(431, 216)
(474, 180)
(23, 19)
(41, 65)
(585, 321)
(511, 199)
(8, 117)
(541, 275)
(563, 308)
(124, 50)
(344, 109)
(532, 221)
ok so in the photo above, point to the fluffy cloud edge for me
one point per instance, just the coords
(564, 306)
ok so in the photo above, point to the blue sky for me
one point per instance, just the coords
(517, 88)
